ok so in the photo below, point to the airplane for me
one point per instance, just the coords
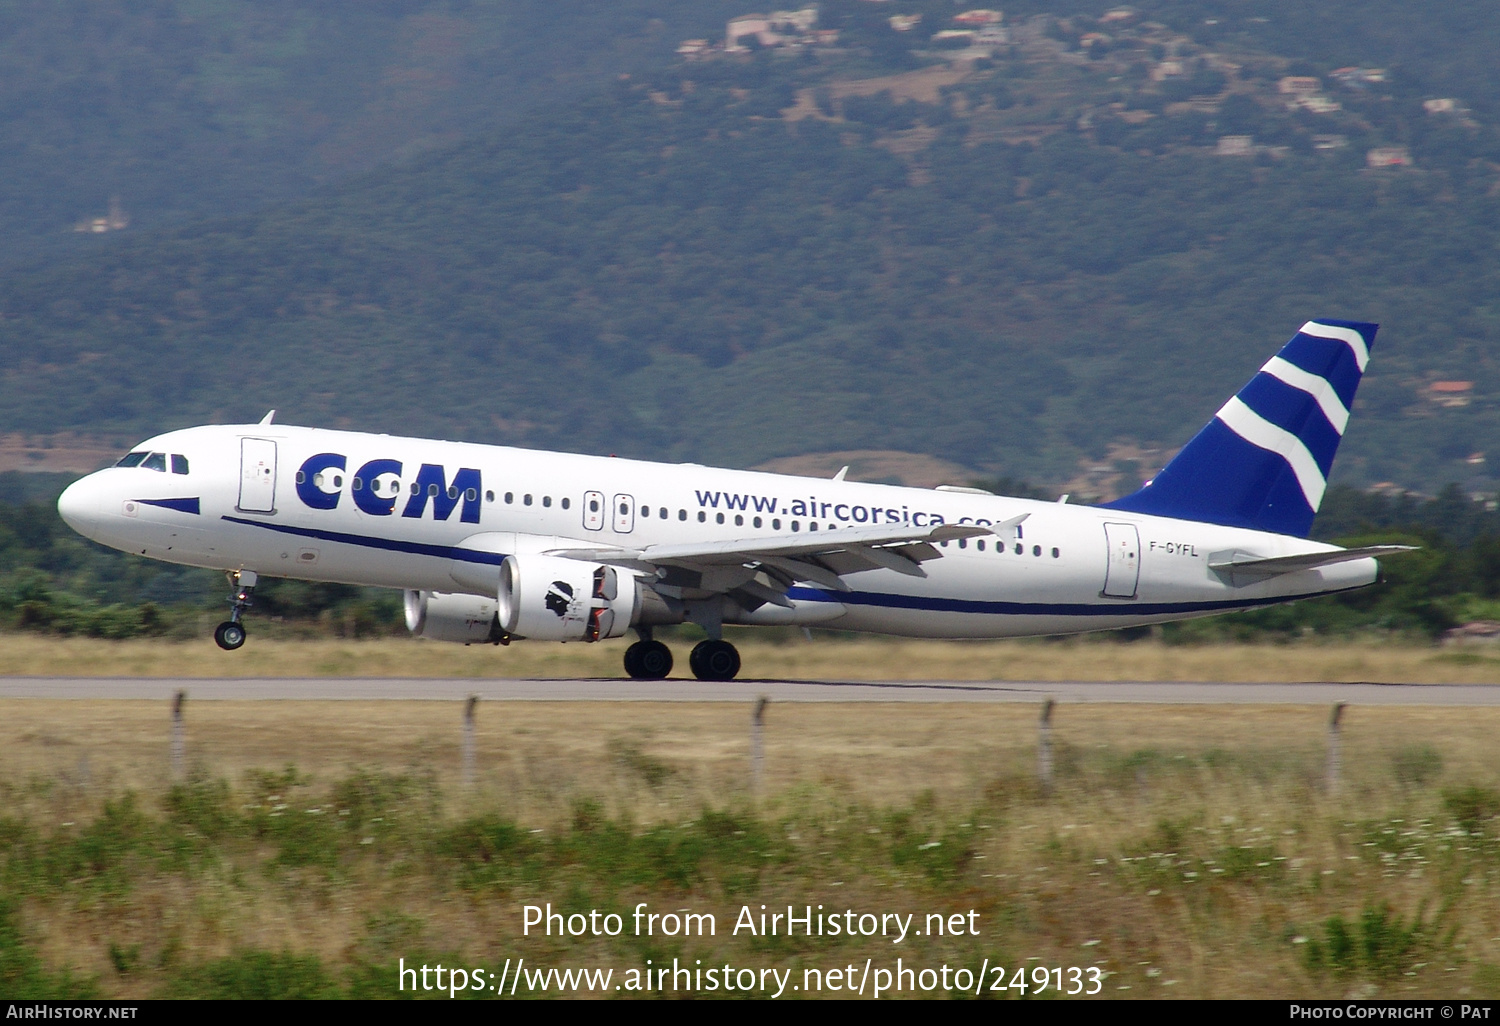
(497, 544)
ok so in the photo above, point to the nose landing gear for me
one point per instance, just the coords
(230, 634)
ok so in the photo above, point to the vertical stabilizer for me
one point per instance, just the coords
(1263, 461)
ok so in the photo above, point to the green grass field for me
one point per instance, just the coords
(1183, 851)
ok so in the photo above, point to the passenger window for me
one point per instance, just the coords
(682, 514)
(358, 484)
(470, 495)
(547, 501)
(593, 505)
(813, 526)
(1036, 550)
(526, 500)
(718, 517)
(131, 459)
(739, 521)
(452, 491)
(664, 512)
(156, 461)
(702, 517)
(646, 512)
(416, 489)
(796, 526)
(566, 503)
(755, 522)
(979, 545)
(1055, 553)
(776, 524)
(510, 497)
(1019, 548)
(489, 496)
(432, 491)
(179, 464)
(963, 543)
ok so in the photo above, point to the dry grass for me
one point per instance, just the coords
(783, 656)
(1122, 866)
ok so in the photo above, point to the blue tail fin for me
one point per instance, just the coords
(1263, 461)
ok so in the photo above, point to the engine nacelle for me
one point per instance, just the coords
(462, 618)
(554, 599)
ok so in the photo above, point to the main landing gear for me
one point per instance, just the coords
(648, 659)
(230, 634)
(713, 659)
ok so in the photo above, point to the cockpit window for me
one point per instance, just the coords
(156, 461)
(131, 459)
(179, 464)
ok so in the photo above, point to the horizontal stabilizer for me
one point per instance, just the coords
(1240, 563)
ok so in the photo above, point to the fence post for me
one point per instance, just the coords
(1044, 748)
(468, 776)
(178, 701)
(1335, 756)
(757, 744)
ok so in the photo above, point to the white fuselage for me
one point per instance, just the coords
(1065, 569)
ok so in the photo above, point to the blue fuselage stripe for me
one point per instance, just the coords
(925, 603)
(993, 608)
(180, 505)
(385, 544)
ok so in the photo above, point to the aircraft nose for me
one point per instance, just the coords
(78, 505)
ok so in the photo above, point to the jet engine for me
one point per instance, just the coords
(462, 618)
(554, 599)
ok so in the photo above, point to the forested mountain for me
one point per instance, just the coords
(1015, 256)
(185, 108)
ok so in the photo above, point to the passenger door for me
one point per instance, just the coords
(257, 475)
(1122, 574)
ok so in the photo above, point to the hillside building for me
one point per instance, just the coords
(1388, 156)
(1298, 85)
(1450, 394)
(1313, 103)
(775, 29)
(1359, 78)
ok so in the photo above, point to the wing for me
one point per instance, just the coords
(762, 569)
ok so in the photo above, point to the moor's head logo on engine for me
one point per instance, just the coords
(560, 597)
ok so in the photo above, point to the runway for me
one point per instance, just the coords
(620, 690)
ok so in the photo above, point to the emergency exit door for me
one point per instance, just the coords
(1122, 574)
(257, 475)
(624, 511)
(593, 511)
